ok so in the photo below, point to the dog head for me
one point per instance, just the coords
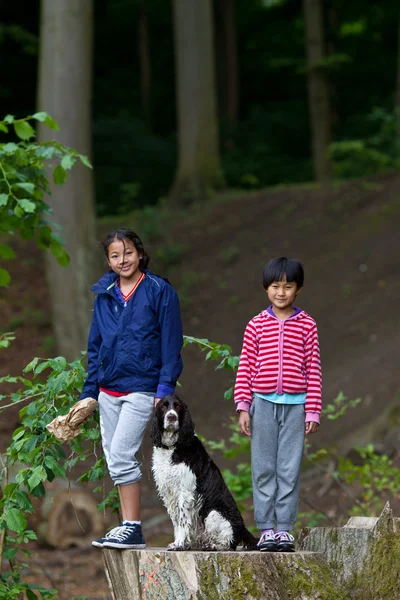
(172, 423)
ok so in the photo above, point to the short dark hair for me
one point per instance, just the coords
(278, 269)
(127, 235)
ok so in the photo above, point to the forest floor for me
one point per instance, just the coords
(348, 238)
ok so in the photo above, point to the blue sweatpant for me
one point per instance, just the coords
(277, 441)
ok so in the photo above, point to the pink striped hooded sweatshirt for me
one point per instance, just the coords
(282, 357)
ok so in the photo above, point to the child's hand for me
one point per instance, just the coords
(244, 422)
(311, 427)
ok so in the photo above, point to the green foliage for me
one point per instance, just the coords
(379, 151)
(376, 475)
(49, 389)
(24, 184)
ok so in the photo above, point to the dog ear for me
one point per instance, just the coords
(186, 430)
(156, 429)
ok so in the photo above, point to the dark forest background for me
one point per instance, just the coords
(264, 129)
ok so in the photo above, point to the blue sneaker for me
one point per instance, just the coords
(126, 537)
(99, 543)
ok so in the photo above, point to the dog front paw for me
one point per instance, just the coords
(177, 547)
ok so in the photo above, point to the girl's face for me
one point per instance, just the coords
(123, 258)
(282, 294)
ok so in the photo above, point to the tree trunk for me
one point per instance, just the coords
(198, 152)
(64, 91)
(318, 90)
(397, 95)
(232, 101)
(145, 61)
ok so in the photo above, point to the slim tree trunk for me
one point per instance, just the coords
(145, 60)
(198, 152)
(397, 95)
(64, 91)
(318, 89)
(232, 100)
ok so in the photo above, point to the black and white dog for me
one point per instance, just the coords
(203, 512)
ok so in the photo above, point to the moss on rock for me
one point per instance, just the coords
(380, 577)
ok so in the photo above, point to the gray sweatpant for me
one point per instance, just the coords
(123, 422)
(277, 440)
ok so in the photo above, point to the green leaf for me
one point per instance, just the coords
(60, 175)
(3, 199)
(58, 364)
(23, 501)
(23, 130)
(68, 162)
(18, 211)
(6, 252)
(15, 520)
(44, 365)
(27, 205)
(30, 367)
(31, 595)
(4, 278)
(38, 491)
(8, 119)
(38, 475)
(10, 148)
(40, 116)
(28, 187)
(52, 464)
(51, 123)
(85, 161)
(3, 127)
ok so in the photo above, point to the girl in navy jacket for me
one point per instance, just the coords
(134, 359)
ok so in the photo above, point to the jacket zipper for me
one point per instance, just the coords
(280, 368)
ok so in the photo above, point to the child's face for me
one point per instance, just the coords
(123, 258)
(282, 294)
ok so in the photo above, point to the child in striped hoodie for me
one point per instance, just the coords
(278, 397)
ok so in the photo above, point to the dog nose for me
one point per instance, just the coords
(171, 418)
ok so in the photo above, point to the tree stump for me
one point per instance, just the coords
(68, 517)
(158, 574)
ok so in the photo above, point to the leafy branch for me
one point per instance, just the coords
(23, 185)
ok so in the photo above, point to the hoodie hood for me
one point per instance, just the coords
(298, 314)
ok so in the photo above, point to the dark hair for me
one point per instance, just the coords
(127, 235)
(278, 269)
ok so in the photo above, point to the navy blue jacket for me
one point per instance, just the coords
(134, 346)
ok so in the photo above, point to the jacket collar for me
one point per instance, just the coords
(105, 283)
(271, 313)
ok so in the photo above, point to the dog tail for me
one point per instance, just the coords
(249, 541)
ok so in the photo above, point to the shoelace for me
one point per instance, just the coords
(267, 536)
(284, 536)
(123, 532)
(113, 531)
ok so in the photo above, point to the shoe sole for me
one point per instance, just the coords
(124, 546)
(269, 549)
(286, 549)
(97, 544)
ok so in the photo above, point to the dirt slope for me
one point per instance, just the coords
(349, 240)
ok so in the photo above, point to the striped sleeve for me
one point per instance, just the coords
(313, 370)
(246, 369)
